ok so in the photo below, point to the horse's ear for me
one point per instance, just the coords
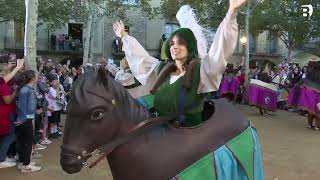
(103, 76)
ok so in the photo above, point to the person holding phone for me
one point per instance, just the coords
(7, 108)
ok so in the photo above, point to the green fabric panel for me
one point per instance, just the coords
(202, 169)
(149, 100)
(242, 147)
(167, 98)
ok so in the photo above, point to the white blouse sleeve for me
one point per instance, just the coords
(213, 65)
(142, 65)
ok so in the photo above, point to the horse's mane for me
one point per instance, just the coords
(133, 110)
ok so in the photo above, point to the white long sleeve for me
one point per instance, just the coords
(213, 65)
(142, 65)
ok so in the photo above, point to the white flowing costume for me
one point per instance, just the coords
(144, 67)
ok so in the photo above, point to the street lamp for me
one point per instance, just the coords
(243, 40)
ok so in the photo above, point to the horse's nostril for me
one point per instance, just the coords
(70, 164)
(70, 168)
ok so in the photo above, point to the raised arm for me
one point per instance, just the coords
(141, 64)
(224, 43)
(9, 76)
(235, 71)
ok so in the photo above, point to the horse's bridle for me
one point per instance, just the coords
(133, 132)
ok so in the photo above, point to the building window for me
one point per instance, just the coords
(253, 43)
(273, 42)
(170, 28)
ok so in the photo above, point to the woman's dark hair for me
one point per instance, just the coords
(51, 77)
(25, 77)
(187, 38)
(229, 68)
(299, 70)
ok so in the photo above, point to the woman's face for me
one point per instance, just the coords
(296, 71)
(124, 63)
(74, 71)
(178, 49)
(54, 83)
(4, 69)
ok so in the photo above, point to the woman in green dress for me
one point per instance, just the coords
(180, 84)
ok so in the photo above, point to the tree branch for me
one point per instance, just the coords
(5, 20)
(284, 40)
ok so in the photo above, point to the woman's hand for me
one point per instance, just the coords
(17, 123)
(118, 28)
(235, 5)
(20, 63)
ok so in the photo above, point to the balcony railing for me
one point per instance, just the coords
(264, 49)
(42, 45)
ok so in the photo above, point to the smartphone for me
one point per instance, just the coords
(13, 62)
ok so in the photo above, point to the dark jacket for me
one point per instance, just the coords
(262, 76)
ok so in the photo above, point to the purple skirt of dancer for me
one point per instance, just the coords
(262, 95)
(293, 98)
(310, 100)
(229, 85)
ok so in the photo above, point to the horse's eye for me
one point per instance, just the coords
(97, 115)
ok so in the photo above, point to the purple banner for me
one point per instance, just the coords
(292, 101)
(229, 85)
(262, 97)
(309, 99)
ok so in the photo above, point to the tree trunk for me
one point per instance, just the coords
(247, 59)
(87, 44)
(289, 54)
(30, 37)
(91, 43)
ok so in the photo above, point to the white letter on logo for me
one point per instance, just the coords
(307, 10)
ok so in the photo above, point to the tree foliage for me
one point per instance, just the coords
(209, 12)
(284, 17)
(117, 9)
(54, 13)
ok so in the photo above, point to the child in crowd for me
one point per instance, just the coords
(26, 109)
(54, 95)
